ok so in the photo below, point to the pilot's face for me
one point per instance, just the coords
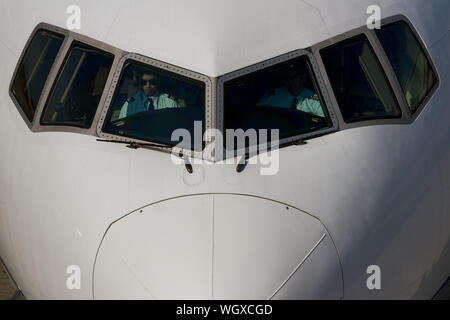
(148, 83)
(297, 81)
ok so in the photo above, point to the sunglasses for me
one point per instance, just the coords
(143, 82)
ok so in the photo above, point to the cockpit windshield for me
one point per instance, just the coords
(150, 104)
(283, 97)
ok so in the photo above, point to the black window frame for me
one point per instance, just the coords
(163, 68)
(403, 19)
(68, 52)
(69, 37)
(407, 117)
(40, 27)
(385, 76)
(129, 62)
(85, 40)
(261, 66)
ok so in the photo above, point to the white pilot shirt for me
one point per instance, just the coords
(307, 101)
(141, 102)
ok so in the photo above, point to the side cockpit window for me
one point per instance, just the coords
(34, 69)
(79, 85)
(359, 83)
(409, 61)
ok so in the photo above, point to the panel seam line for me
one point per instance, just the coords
(298, 266)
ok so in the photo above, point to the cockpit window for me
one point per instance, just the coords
(409, 62)
(151, 103)
(283, 97)
(358, 81)
(34, 69)
(78, 88)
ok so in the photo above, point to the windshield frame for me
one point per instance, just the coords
(52, 80)
(391, 78)
(164, 67)
(323, 92)
(49, 80)
(76, 44)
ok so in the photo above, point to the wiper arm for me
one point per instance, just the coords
(243, 163)
(244, 160)
(137, 145)
(299, 142)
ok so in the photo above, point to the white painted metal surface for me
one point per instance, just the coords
(381, 192)
(217, 246)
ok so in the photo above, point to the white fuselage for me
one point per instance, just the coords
(380, 195)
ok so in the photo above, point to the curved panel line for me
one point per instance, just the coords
(197, 194)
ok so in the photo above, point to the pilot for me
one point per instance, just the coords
(293, 94)
(149, 97)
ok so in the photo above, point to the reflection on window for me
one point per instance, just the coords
(410, 63)
(150, 103)
(359, 83)
(79, 86)
(34, 69)
(283, 97)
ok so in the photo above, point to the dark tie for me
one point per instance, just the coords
(149, 104)
(294, 103)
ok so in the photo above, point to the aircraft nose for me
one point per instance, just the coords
(217, 246)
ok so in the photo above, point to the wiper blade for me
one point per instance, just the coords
(137, 145)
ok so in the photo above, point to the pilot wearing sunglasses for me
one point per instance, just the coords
(148, 98)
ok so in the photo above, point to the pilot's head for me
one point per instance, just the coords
(148, 83)
(295, 78)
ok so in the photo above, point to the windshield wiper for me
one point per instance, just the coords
(137, 145)
(244, 160)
